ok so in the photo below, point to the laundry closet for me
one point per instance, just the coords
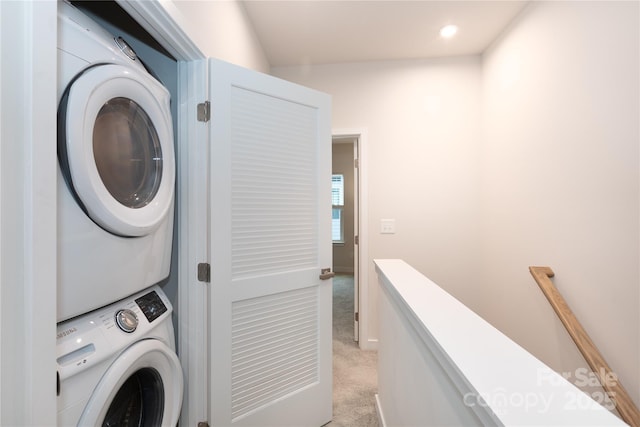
(249, 288)
(115, 343)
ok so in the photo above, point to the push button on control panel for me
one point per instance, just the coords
(127, 320)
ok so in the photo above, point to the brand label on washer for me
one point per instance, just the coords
(66, 332)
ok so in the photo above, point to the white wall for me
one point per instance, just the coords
(561, 180)
(528, 157)
(221, 29)
(423, 134)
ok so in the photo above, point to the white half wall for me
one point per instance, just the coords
(561, 180)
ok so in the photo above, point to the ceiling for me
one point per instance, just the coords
(332, 31)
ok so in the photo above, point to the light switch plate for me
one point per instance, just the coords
(387, 226)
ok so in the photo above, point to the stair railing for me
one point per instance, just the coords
(623, 403)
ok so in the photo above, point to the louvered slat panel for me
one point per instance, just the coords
(279, 302)
(284, 327)
(271, 369)
(273, 348)
(266, 352)
(273, 191)
(252, 347)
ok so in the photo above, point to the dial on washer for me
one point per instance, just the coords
(127, 320)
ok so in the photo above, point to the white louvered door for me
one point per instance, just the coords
(270, 314)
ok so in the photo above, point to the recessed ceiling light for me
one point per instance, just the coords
(448, 31)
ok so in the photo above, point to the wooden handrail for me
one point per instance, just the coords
(623, 403)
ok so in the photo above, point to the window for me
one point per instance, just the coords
(337, 200)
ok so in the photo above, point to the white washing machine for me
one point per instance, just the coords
(116, 170)
(117, 365)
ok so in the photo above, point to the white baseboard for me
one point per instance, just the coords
(381, 420)
(370, 344)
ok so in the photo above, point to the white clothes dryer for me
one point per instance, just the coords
(116, 170)
(118, 366)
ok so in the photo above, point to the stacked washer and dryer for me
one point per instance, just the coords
(115, 340)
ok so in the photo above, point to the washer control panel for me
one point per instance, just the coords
(87, 340)
(151, 305)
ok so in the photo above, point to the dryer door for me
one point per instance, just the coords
(115, 146)
(142, 388)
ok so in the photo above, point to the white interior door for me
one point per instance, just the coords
(270, 313)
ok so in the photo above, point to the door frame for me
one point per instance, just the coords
(360, 135)
(162, 21)
(28, 211)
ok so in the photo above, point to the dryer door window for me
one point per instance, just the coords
(117, 146)
(127, 152)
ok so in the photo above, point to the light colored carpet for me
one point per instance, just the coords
(355, 375)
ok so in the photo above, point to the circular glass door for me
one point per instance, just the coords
(143, 387)
(127, 152)
(139, 402)
(119, 148)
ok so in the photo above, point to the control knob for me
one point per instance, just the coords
(127, 320)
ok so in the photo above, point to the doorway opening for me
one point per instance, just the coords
(344, 230)
(354, 363)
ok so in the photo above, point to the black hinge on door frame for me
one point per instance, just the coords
(204, 272)
(204, 111)
(203, 424)
(356, 316)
